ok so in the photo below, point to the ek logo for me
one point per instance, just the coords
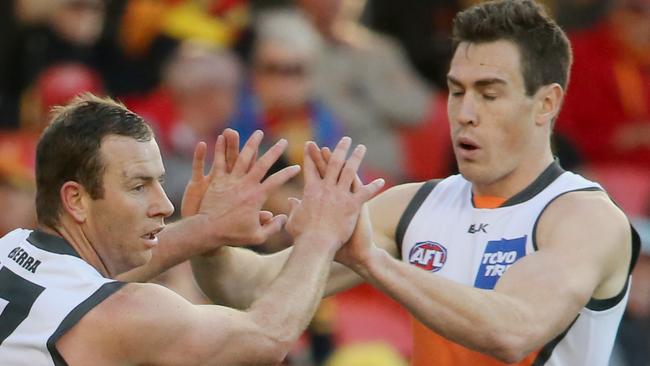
(474, 229)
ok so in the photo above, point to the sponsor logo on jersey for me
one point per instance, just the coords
(473, 228)
(20, 256)
(498, 256)
(428, 255)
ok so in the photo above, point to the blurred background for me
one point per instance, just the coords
(317, 70)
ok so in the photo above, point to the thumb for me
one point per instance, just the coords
(293, 204)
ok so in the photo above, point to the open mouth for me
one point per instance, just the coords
(467, 146)
(152, 234)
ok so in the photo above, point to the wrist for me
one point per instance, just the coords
(366, 266)
(324, 242)
(207, 237)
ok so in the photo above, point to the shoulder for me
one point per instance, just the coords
(593, 209)
(147, 305)
(137, 305)
(126, 324)
(588, 225)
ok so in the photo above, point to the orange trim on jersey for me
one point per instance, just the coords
(488, 201)
(430, 349)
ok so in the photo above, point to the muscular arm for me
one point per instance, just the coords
(148, 324)
(236, 276)
(583, 252)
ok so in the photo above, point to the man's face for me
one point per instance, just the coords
(122, 225)
(491, 118)
(281, 77)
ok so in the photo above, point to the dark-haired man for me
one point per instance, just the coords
(514, 260)
(101, 209)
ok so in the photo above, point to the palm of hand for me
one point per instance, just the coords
(330, 207)
(230, 197)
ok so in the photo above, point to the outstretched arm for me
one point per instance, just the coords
(222, 208)
(583, 252)
(154, 326)
(236, 276)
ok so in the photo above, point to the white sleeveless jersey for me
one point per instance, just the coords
(442, 232)
(45, 289)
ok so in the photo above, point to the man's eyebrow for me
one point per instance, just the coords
(452, 80)
(487, 82)
(479, 83)
(145, 177)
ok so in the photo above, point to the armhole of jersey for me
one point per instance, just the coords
(604, 304)
(601, 304)
(410, 211)
(76, 314)
(588, 189)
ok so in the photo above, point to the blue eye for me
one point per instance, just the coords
(139, 188)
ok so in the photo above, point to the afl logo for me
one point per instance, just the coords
(428, 255)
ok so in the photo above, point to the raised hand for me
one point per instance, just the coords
(329, 208)
(230, 197)
(360, 243)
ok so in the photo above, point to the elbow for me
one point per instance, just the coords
(275, 341)
(509, 347)
(274, 351)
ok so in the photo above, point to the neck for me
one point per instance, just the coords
(515, 181)
(80, 243)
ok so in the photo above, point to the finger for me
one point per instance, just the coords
(279, 178)
(327, 153)
(198, 162)
(232, 148)
(351, 167)
(310, 171)
(274, 225)
(265, 216)
(253, 161)
(219, 163)
(317, 157)
(357, 183)
(247, 153)
(337, 160)
(293, 204)
(370, 190)
(263, 164)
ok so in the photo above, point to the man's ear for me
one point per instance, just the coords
(550, 101)
(73, 199)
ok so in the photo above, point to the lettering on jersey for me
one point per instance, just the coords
(428, 255)
(498, 256)
(20, 256)
(473, 228)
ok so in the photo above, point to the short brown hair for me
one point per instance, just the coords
(544, 48)
(68, 149)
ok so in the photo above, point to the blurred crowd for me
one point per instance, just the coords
(316, 70)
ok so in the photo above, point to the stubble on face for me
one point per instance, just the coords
(489, 113)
